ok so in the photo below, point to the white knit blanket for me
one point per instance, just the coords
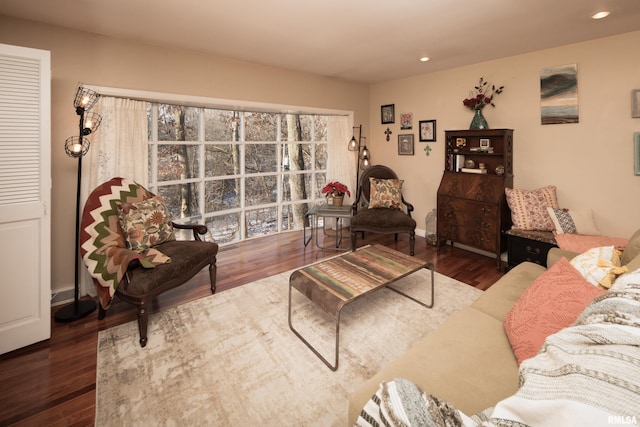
(585, 375)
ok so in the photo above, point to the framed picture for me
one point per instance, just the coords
(635, 103)
(427, 130)
(485, 143)
(405, 145)
(406, 121)
(559, 102)
(388, 113)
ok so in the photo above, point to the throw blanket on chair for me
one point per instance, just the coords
(102, 243)
(586, 374)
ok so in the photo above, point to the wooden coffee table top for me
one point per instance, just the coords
(340, 280)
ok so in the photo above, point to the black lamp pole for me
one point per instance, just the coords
(363, 154)
(78, 148)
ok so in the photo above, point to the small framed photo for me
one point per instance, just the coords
(388, 113)
(635, 103)
(405, 145)
(406, 121)
(485, 143)
(427, 130)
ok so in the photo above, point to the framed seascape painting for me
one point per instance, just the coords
(405, 145)
(388, 114)
(427, 130)
(559, 95)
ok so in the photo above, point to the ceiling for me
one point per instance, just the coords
(361, 40)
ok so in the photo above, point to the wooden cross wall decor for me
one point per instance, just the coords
(388, 133)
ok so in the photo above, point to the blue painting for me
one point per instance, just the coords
(559, 95)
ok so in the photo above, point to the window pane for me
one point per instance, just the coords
(222, 159)
(261, 222)
(260, 126)
(293, 216)
(320, 128)
(321, 156)
(261, 190)
(296, 187)
(178, 123)
(225, 228)
(301, 124)
(178, 162)
(222, 195)
(181, 199)
(321, 180)
(260, 158)
(219, 125)
(149, 119)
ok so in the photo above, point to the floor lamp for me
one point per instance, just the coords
(78, 146)
(362, 160)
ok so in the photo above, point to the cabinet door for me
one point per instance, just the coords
(25, 196)
(468, 222)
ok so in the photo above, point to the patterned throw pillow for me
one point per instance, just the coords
(573, 221)
(529, 207)
(146, 223)
(385, 193)
(552, 302)
(599, 266)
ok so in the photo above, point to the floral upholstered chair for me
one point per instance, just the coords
(127, 243)
(380, 206)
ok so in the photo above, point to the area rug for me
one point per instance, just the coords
(230, 359)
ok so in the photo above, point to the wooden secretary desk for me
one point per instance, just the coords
(472, 206)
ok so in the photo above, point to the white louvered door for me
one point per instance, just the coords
(25, 196)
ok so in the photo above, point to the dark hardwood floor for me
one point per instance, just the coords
(53, 383)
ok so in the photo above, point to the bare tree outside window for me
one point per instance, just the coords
(244, 174)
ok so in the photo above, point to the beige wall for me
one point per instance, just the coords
(85, 58)
(591, 162)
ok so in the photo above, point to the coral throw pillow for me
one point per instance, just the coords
(146, 223)
(552, 302)
(385, 193)
(529, 207)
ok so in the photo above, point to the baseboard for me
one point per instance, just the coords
(62, 296)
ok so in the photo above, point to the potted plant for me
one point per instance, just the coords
(335, 192)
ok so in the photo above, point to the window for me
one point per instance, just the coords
(244, 174)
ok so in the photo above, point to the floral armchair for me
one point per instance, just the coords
(380, 206)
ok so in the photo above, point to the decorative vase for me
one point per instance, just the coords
(337, 200)
(478, 121)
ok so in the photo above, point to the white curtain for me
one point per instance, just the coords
(341, 164)
(118, 148)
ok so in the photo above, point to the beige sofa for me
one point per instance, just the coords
(469, 361)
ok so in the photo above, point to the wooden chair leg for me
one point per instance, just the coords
(412, 243)
(102, 313)
(212, 276)
(396, 236)
(354, 236)
(143, 322)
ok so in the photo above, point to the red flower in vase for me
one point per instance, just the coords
(336, 188)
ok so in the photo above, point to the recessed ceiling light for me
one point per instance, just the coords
(600, 15)
(424, 59)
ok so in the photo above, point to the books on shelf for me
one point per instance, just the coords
(473, 170)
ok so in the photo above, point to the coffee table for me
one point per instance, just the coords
(339, 281)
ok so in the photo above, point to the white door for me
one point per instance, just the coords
(25, 196)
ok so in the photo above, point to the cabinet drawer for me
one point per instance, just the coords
(468, 222)
(520, 249)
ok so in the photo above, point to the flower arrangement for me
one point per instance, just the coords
(336, 188)
(482, 95)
